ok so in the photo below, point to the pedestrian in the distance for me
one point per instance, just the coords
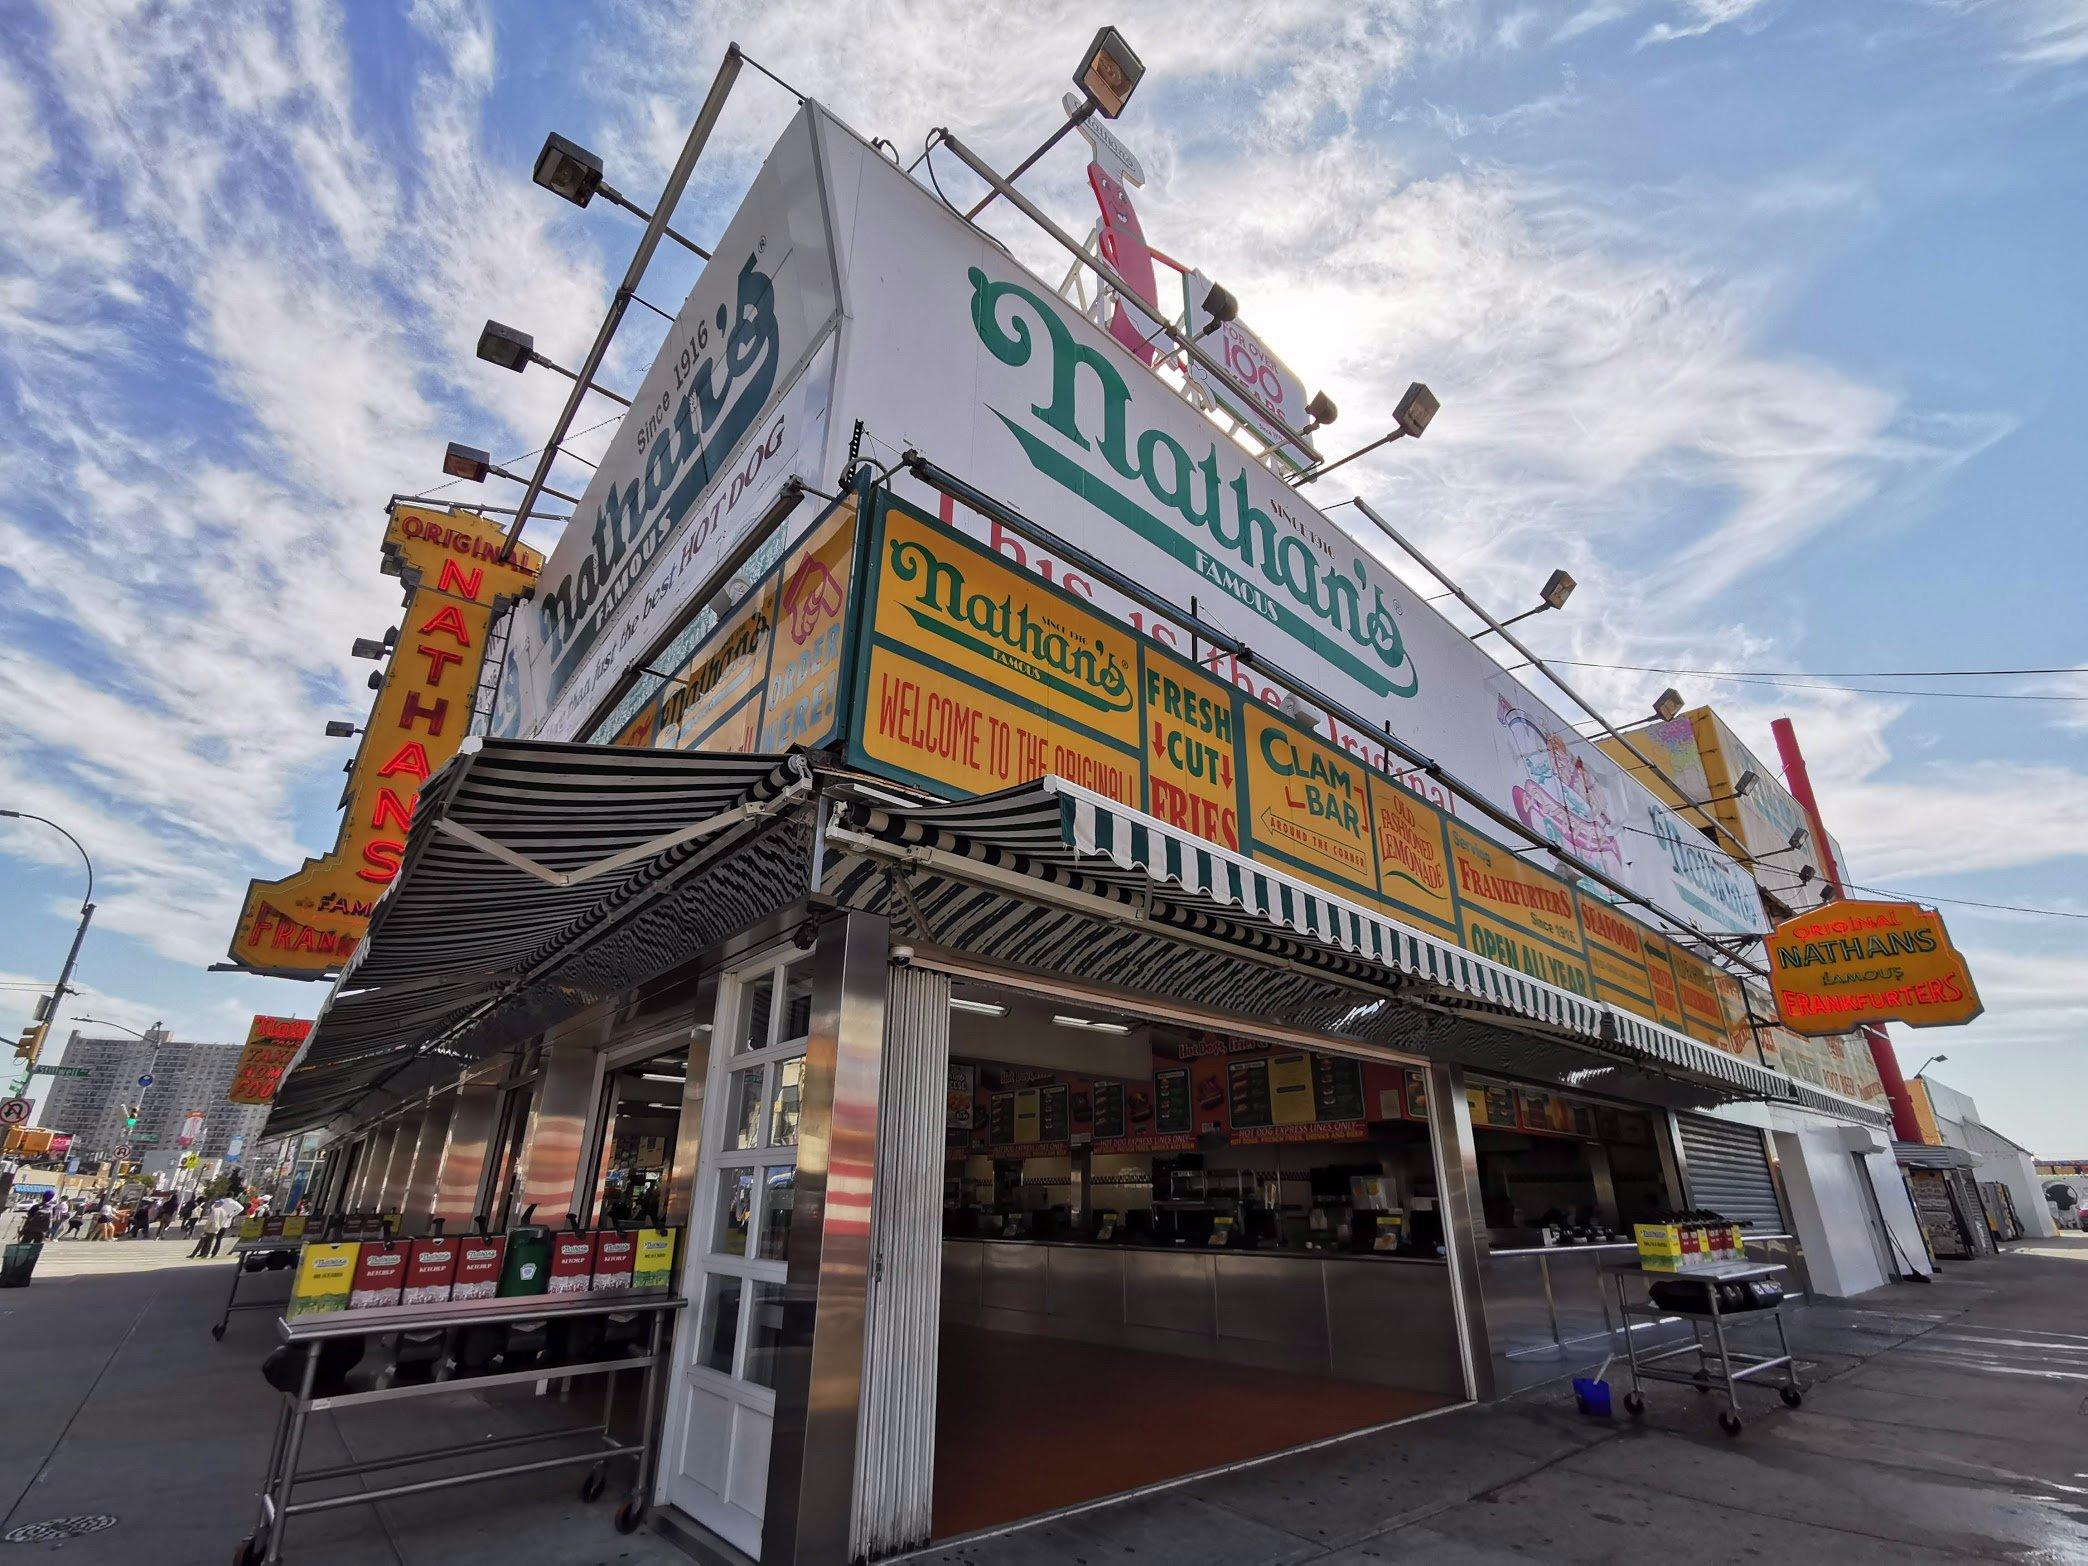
(207, 1223)
(164, 1218)
(231, 1212)
(104, 1222)
(36, 1224)
(75, 1220)
(189, 1209)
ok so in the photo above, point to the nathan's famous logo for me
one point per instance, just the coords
(1704, 869)
(1007, 633)
(1276, 572)
(724, 374)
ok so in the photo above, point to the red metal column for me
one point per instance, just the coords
(1904, 1126)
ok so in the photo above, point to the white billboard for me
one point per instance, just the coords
(951, 347)
(731, 407)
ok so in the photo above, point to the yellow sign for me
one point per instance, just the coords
(802, 697)
(1191, 751)
(1516, 914)
(1617, 956)
(1412, 859)
(1309, 804)
(1853, 962)
(305, 925)
(324, 1274)
(271, 1044)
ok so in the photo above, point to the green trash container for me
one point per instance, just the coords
(18, 1263)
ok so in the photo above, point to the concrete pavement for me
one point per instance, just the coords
(1945, 1423)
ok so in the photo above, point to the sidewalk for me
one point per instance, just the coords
(1945, 1424)
(119, 1404)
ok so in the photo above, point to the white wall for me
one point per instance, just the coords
(2000, 1159)
(1830, 1210)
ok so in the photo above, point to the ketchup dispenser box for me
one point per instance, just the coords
(431, 1269)
(572, 1263)
(380, 1273)
(614, 1255)
(479, 1260)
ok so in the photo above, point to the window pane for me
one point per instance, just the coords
(765, 1334)
(743, 1109)
(754, 1025)
(797, 1003)
(721, 1310)
(783, 1120)
(776, 1204)
(735, 1210)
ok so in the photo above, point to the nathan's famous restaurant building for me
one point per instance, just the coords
(1068, 936)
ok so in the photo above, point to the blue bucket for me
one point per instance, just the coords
(1593, 1397)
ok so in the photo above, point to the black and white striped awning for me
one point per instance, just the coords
(521, 856)
(1099, 860)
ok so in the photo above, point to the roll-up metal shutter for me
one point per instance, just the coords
(1728, 1172)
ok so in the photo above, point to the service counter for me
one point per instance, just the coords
(1549, 1310)
(1354, 1316)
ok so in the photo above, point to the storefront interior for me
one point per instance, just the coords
(1166, 1250)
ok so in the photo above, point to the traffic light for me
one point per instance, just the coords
(25, 1046)
(130, 1115)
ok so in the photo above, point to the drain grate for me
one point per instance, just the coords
(57, 1528)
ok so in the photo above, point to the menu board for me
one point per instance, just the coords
(1337, 1088)
(1053, 1119)
(1171, 1112)
(1027, 1116)
(1109, 1109)
(1492, 1104)
(1291, 1098)
(1000, 1119)
(1247, 1082)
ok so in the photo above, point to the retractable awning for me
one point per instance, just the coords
(1070, 848)
(521, 858)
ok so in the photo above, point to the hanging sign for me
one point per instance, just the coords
(271, 1044)
(1853, 962)
(305, 925)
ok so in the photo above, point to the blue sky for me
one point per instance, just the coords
(1762, 318)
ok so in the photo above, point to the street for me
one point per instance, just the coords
(1943, 1424)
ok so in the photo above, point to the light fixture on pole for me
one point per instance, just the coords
(337, 728)
(1108, 75)
(471, 464)
(569, 170)
(1411, 418)
(1221, 307)
(1320, 412)
(1558, 587)
(513, 349)
(1933, 1060)
(1741, 789)
(1667, 704)
(62, 989)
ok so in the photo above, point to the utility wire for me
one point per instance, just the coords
(1826, 683)
(1844, 674)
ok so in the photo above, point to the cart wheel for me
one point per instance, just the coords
(218, 1332)
(1634, 1405)
(1791, 1395)
(592, 1486)
(1729, 1422)
(630, 1515)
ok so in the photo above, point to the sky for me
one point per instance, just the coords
(1762, 318)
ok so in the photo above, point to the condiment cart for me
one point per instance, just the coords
(269, 1245)
(1716, 1363)
(265, 1545)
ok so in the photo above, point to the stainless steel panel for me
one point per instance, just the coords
(1013, 1278)
(819, 1383)
(466, 1142)
(1170, 1291)
(558, 1117)
(1272, 1300)
(398, 1169)
(1085, 1285)
(1457, 1184)
(376, 1163)
(963, 1266)
(417, 1200)
(1393, 1324)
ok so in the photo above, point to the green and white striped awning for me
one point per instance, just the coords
(1085, 845)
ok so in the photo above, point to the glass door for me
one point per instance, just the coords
(723, 1402)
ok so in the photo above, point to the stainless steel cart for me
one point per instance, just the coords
(277, 1507)
(272, 1245)
(1717, 1363)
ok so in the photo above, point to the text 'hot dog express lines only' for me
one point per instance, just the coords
(974, 675)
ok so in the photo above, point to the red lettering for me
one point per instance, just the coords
(390, 807)
(466, 586)
(434, 715)
(439, 659)
(451, 619)
(411, 758)
(381, 860)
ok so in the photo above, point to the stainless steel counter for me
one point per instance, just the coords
(1383, 1319)
(1548, 1312)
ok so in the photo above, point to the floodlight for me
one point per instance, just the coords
(1221, 307)
(1558, 587)
(1799, 838)
(336, 729)
(1109, 74)
(1320, 410)
(366, 647)
(1748, 779)
(1667, 704)
(505, 346)
(565, 168)
(1415, 410)
(466, 462)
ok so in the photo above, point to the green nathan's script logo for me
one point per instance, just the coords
(1279, 574)
(1005, 632)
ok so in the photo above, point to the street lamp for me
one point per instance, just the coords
(569, 170)
(1416, 410)
(35, 1042)
(1558, 587)
(156, 1035)
(1108, 75)
(1933, 1060)
(1667, 704)
(472, 465)
(513, 349)
(340, 728)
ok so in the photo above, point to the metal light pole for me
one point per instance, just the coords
(156, 1035)
(43, 1028)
